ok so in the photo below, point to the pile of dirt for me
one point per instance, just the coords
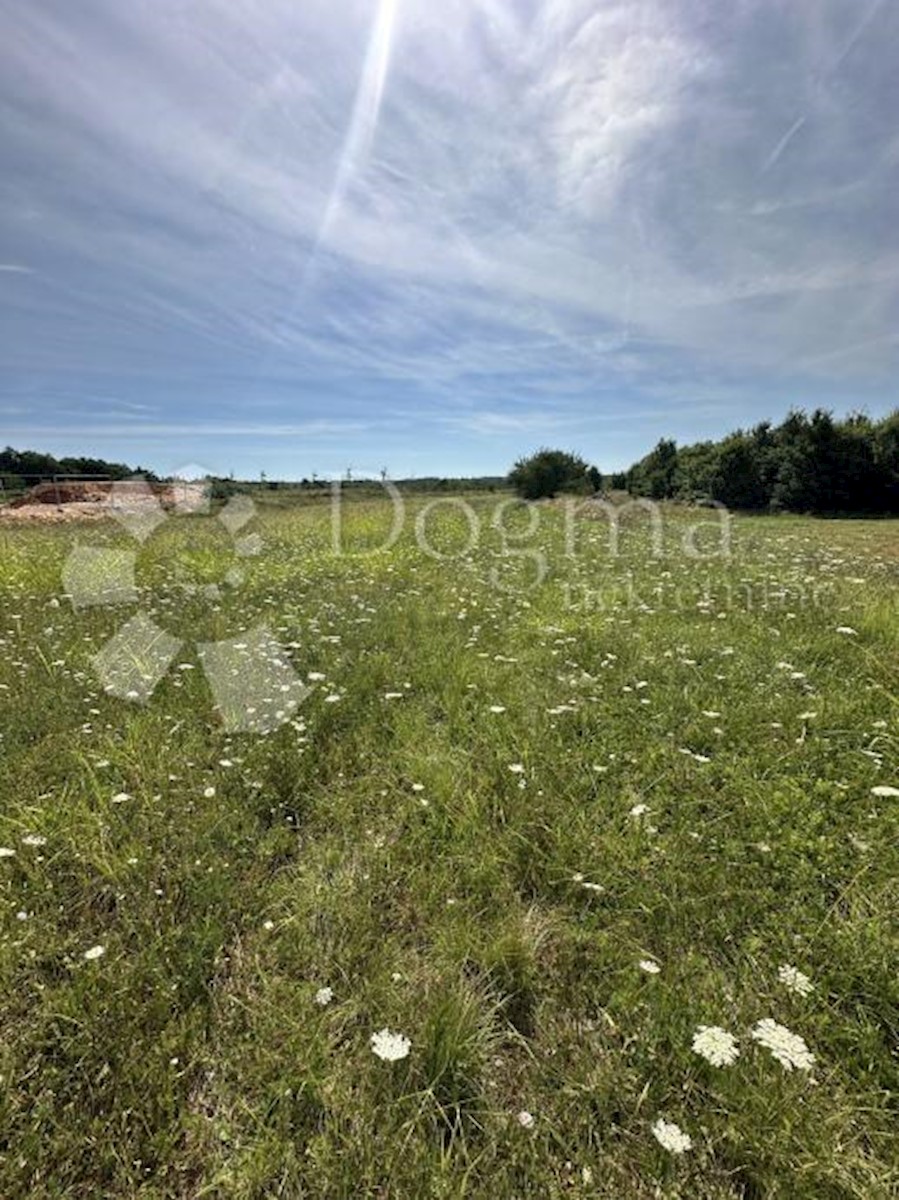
(71, 499)
(51, 515)
(70, 491)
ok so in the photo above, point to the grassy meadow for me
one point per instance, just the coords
(544, 828)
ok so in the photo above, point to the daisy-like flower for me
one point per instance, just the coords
(94, 952)
(525, 1119)
(795, 980)
(787, 1047)
(716, 1045)
(884, 790)
(209, 792)
(6, 852)
(324, 996)
(650, 967)
(671, 1136)
(391, 1047)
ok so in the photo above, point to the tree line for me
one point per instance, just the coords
(812, 464)
(30, 466)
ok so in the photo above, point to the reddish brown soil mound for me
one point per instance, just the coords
(85, 500)
(72, 491)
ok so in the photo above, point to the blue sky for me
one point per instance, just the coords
(270, 235)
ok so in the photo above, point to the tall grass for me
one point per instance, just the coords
(501, 798)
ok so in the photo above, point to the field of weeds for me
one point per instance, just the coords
(503, 860)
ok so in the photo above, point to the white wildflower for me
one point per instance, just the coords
(6, 852)
(526, 1119)
(497, 708)
(716, 1045)
(650, 967)
(671, 1136)
(33, 839)
(94, 952)
(884, 790)
(639, 810)
(847, 629)
(390, 1046)
(794, 980)
(324, 996)
(516, 768)
(787, 1047)
(209, 792)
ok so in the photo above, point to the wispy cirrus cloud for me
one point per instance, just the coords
(462, 209)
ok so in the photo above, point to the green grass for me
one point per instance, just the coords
(385, 848)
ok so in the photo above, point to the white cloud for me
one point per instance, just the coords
(500, 199)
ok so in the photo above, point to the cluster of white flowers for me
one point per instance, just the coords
(671, 1136)
(716, 1045)
(390, 1046)
(787, 1047)
(885, 791)
(650, 967)
(324, 996)
(794, 980)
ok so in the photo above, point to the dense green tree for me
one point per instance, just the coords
(695, 469)
(806, 464)
(31, 465)
(736, 478)
(548, 472)
(656, 474)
